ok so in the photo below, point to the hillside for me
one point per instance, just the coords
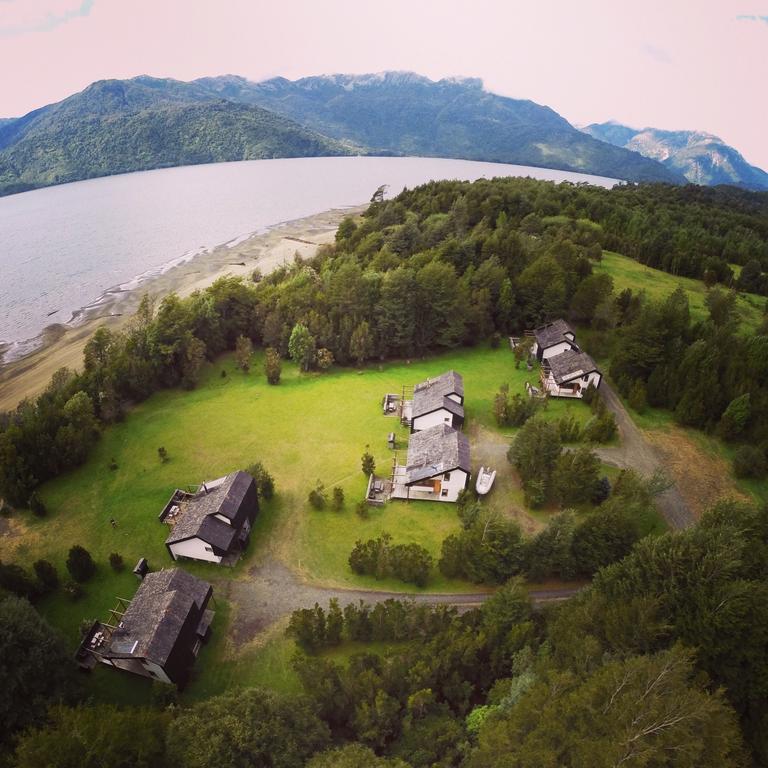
(405, 113)
(117, 127)
(701, 157)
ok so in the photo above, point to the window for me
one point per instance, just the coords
(444, 492)
(209, 549)
(447, 476)
(447, 419)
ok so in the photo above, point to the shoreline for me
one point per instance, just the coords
(61, 344)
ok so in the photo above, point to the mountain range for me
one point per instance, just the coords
(115, 126)
(701, 157)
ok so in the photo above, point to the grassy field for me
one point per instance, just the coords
(628, 273)
(310, 427)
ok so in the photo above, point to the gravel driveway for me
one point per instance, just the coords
(635, 452)
(272, 591)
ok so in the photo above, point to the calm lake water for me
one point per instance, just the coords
(63, 247)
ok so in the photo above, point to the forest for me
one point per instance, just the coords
(445, 265)
(661, 661)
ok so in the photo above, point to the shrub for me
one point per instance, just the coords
(112, 465)
(602, 491)
(501, 406)
(410, 563)
(163, 454)
(337, 503)
(80, 563)
(590, 395)
(535, 450)
(272, 366)
(46, 575)
(521, 409)
(14, 579)
(116, 562)
(265, 483)
(368, 463)
(362, 510)
(638, 397)
(36, 506)
(243, 353)
(324, 359)
(601, 428)
(570, 430)
(575, 477)
(735, 418)
(749, 462)
(317, 497)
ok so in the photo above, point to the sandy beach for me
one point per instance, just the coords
(63, 344)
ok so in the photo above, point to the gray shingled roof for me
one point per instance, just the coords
(432, 394)
(553, 333)
(570, 364)
(197, 517)
(157, 613)
(436, 450)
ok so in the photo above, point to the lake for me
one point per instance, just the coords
(62, 248)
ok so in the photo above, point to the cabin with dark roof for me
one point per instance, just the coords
(437, 467)
(214, 522)
(158, 633)
(438, 401)
(569, 374)
(553, 339)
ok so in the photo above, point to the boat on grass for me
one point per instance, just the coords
(485, 478)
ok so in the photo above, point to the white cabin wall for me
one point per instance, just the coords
(194, 548)
(442, 416)
(456, 483)
(558, 349)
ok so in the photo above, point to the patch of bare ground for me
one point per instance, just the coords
(701, 476)
(489, 449)
(15, 536)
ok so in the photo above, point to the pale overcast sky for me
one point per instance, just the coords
(693, 64)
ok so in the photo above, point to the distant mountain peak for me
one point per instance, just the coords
(701, 157)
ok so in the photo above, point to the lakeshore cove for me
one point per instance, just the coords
(74, 252)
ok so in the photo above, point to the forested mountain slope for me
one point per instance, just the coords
(120, 126)
(407, 114)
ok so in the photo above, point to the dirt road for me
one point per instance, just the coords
(635, 452)
(272, 591)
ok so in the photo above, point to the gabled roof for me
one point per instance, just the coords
(151, 625)
(553, 333)
(434, 451)
(433, 394)
(218, 497)
(570, 364)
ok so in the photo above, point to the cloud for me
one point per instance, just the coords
(751, 17)
(47, 21)
(656, 53)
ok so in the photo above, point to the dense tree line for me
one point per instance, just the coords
(491, 549)
(378, 557)
(662, 660)
(709, 374)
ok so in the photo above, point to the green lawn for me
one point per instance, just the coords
(628, 273)
(310, 427)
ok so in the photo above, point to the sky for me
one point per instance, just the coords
(676, 64)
